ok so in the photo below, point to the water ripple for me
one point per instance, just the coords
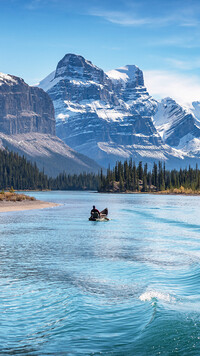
(128, 287)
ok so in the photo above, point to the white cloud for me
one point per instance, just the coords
(121, 18)
(130, 18)
(181, 41)
(184, 89)
(33, 4)
(194, 63)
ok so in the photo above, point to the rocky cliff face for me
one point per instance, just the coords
(128, 85)
(23, 108)
(104, 116)
(27, 126)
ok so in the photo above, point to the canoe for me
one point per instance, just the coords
(104, 212)
(98, 219)
(102, 217)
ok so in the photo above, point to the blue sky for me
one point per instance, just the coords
(161, 37)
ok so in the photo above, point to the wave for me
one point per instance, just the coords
(155, 295)
(147, 214)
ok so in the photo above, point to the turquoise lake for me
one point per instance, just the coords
(129, 286)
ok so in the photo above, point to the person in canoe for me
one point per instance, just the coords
(95, 213)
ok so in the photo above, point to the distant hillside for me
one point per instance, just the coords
(49, 152)
(18, 173)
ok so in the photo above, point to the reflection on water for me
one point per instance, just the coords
(129, 286)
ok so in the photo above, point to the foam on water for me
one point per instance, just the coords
(152, 294)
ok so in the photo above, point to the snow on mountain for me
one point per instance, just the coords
(125, 74)
(106, 116)
(177, 126)
(49, 81)
(129, 86)
(195, 108)
(7, 79)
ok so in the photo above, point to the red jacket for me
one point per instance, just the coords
(95, 211)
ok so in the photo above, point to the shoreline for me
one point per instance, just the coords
(10, 206)
(155, 193)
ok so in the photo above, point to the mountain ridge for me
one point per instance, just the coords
(107, 116)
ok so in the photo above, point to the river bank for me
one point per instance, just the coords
(175, 191)
(11, 201)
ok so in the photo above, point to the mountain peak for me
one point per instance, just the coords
(168, 101)
(7, 79)
(128, 73)
(73, 59)
(74, 66)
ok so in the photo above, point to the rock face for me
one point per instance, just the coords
(23, 108)
(128, 85)
(178, 126)
(27, 126)
(104, 116)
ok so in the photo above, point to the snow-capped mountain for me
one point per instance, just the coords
(195, 109)
(178, 126)
(105, 116)
(128, 85)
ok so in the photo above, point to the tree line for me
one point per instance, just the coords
(127, 176)
(17, 172)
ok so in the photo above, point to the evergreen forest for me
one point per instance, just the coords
(18, 173)
(126, 176)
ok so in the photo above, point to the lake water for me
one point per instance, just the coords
(130, 286)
